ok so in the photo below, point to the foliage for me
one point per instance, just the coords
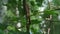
(11, 20)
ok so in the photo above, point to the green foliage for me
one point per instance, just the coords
(39, 2)
(48, 13)
(56, 2)
(11, 4)
(11, 19)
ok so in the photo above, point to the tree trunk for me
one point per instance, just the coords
(26, 9)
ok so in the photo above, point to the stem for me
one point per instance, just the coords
(26, 9)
